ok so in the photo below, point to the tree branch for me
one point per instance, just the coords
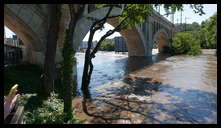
(114, 16)
(108, 33)
(101, 22)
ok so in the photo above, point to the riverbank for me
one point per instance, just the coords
(208, 51)
(179, 89)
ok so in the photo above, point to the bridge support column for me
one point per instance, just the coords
(32, 57)
(150, 32)
(24, 55)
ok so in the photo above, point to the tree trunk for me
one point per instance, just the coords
(49, 64)
(88, 65)
(75, 11)
(85, 77)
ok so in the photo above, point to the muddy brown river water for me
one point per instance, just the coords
(155, 90)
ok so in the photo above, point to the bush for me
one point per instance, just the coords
(185, 43)
(207, 33)
(107, 45)
(50, 112)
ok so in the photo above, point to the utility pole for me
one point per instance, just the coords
(185, 22)
(181, 17)
(172, 18)
(159, 9)
(181, 20)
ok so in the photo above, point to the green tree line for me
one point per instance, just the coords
(107, 45)
(206, 32)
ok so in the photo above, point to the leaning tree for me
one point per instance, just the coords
(130, 16)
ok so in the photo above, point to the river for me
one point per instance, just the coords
(158, 89)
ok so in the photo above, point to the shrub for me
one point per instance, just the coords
(185, 43)
(107, 45)
(50, 112)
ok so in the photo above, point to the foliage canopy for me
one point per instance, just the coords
(185, 43)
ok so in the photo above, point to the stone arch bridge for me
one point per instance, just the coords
(30, 23)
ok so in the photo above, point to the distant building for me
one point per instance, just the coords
(83, 45)
(94, 44)
(14, 42)
(120, 44)
(12, 50)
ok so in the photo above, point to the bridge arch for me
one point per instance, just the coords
(134, 42)
(162, 39)
(16, 23)
(29, 24)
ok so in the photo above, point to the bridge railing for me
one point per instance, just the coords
(164, 19)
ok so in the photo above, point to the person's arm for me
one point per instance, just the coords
(9, 103)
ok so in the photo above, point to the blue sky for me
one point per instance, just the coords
(209, 9)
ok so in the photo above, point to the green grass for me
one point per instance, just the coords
(38, 108)
(49, 111)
